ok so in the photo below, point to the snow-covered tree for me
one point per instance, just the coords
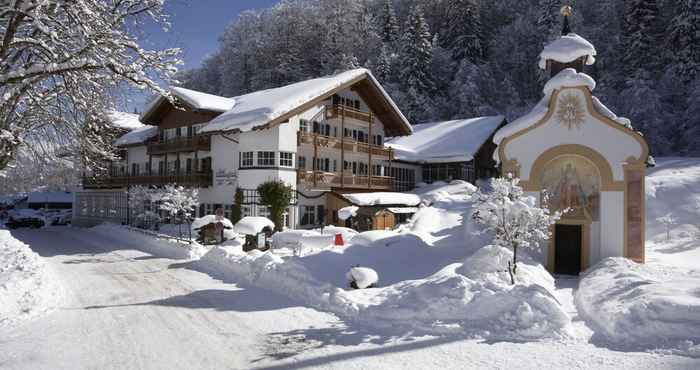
(57, 56)
(548, 19)
(142, 206)
(463, 26)
(641, 36)
(514, 218)
(668, 221)
(684, 39)
(389, 25)
(179, 202)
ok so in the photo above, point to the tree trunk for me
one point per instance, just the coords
(513, 268)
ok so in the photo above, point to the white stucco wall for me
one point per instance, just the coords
(612, 226)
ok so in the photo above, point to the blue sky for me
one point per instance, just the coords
(196, 26)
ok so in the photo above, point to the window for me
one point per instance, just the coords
(321, 214)
(190, 131)
(286, 159)
(178, 132)
(188, 165)
(301, 162)
(266, 159)
(309, 215)
(134, 168)
(335, 132)
(246, 159)
(357, 104)
(303, 125)
(161, 168)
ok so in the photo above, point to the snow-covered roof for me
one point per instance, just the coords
(123, 120)
(203, 101)
(383, 198)
(567, 77)
(566, 49)
(197, 100)
(253, 225)
(137, 136)
(260, 108)
(210, 219)
(447, 141)
(50, 197)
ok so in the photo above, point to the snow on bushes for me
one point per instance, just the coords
(362, 277)
(642, 306)
(27, 287)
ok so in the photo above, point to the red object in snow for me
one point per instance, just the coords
(339, 240)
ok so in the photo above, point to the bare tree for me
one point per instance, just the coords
(60, 59)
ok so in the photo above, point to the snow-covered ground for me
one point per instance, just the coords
(441, 301)
(27, 286)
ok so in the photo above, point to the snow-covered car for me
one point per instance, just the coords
(25, 218)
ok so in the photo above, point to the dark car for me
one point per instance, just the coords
(24, 218)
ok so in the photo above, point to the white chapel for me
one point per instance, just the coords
(583, 157)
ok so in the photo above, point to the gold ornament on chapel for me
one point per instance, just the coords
(566, 10)
(570, 112)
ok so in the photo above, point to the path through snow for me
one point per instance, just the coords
(127, 309)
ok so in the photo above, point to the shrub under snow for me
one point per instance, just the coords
(26, 287)
(642, 305)
(362, 277)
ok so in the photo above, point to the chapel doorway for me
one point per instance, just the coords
(568, 240)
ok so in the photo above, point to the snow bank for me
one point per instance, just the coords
(637, 305)
(448, 141)
(483, 303)
(383, 198)
(151, 242)
(373, 238)
(27, 287)
(566, 49)
(347, 212)
(253, 225)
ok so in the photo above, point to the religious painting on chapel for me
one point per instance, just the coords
(573, 182)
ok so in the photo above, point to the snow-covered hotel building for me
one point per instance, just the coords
(319, 136)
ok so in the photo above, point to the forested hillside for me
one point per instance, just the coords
(443, 59)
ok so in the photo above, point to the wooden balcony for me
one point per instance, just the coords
(337, 111)
(349, 145)
(195, 179)
(182, 144)
(326, 180)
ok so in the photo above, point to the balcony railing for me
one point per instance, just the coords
(195, 179)
(182, 144)
(337, 111)
(348, 144)
(321, 179)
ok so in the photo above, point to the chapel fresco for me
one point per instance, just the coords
(572, 182)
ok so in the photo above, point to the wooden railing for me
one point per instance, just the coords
(321, 179)
(196, 179)
(182, 144)
(336, 111)
(348, 144)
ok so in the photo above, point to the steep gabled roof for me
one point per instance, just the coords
(194, 100)
(447, 141)
(137, 136)
(267, 108)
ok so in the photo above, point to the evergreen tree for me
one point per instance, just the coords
(684, 39)
(382, 66)
(641, 37)
(549, 19)
(416, 54)
(389, 25)
(463, 30)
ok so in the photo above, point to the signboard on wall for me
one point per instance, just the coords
(224, 177)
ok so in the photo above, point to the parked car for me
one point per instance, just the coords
(57, 217)
(25, 218)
